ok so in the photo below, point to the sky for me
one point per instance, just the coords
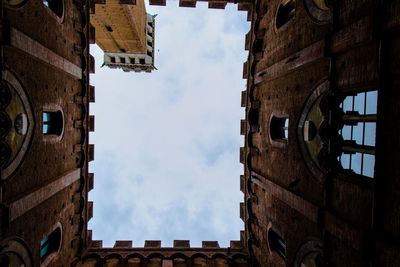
(167, 143)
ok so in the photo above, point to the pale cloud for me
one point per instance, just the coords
(167, 143)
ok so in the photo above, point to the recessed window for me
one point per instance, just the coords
(50, 243)
(112, 59)
(359, 132)
(57, 6)
(276, 243)
(285, 13)
(122, 59)
(52, 123)
(279, 128)
(142, 61)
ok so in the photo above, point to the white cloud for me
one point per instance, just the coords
(167, 143)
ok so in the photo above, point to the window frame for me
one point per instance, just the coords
(284, 139)
(354, 112)
(47, 258)
(51, 136)
(52, 13)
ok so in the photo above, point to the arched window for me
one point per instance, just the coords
(339, 130)
(279, 128)
(319, 10)
(57, 6)
(14, 252)
(50, 243)
(276, 243)
(358, 132)
(285, 13)
(53, 123)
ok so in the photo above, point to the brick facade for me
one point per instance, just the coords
(301, 207)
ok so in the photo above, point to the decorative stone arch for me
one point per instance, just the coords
(319, 11)
(15, 3)
(112, 259)
(14, 252)
(308, 253)
(90, 260)
(134, 260)
(321, 126)
(304, 128)
(18, 112)
(199, 259)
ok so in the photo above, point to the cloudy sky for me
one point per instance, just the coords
(167, 143)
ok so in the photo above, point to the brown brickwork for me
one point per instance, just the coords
(300, 208)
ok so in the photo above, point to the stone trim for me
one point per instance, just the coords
(23, 205)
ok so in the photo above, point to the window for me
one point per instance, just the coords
(279, 128)
(50, 244)
(57, 6)
(112, 59)
(122, 59)
(52, 123)
(276, 243)
(285, 13)
(358, 132)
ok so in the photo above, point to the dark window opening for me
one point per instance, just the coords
(279, 128)
(122, 59)
(109, 29)
(132, 60)
(50, 244)
(57, 6)
(122, 50)
(276, 243)
(112, 59)
(149, 43)
(52, 123)
(359, 133)
(285, 13)
(149, 53)
(142, 61)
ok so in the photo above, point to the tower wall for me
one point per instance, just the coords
(45, 67)
(306, 198)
